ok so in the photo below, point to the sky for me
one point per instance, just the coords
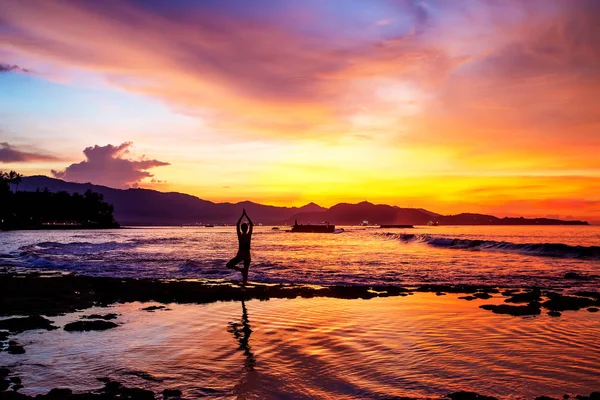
(454, 106)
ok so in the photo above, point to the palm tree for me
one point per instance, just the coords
(14, 178)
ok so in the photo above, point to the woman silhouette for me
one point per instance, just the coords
(244, 233)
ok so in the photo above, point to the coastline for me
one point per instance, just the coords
(26, 297)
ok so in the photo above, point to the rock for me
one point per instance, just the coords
(532, 308)
(574, 275)
(96, 325)
(136, 394)
(595, 396)
(554, 313)
(469, 396)
(559, 302)
(440, 294)
(483, 295)
(545, 398)
(3, 335)
(4, 372)
(18, 325)
(171, 393)
(524, 297)
(4, 385)
(105, 317)
(17, 387)
(15, 348)
(468, 298)
(153, 308)
(58, 393)
(15, 379)
(592, 309)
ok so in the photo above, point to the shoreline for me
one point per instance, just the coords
(26, 297)
(34, 293)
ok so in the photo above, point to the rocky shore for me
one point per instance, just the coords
(28, 298)
(36, 294)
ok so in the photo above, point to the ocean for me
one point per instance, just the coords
(511, 256)
(421, 345)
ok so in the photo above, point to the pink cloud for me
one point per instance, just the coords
(107, 165)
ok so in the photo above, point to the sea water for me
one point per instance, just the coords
(501, 255)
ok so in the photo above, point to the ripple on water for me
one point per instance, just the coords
(419, 345)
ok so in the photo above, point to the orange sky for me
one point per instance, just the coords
(451, 106)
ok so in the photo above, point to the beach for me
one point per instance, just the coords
(75, 318)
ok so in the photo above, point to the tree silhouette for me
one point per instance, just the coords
(43, 209)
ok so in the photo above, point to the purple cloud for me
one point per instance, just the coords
(107, 165)
(12, 68)
(10, 154)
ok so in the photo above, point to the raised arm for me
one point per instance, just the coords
(239, 222)
(249, 223)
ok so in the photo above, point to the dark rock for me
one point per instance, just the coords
(105, 317)
(136, 394)
(15, 379)
(592, 309)
(15, 348)
(483, 295)
(4, 385)
(153, 308)
(16, 387)
(59, 393)
(575, 275)
(561, 302)
(4, 372)
(96, 325)
(171, 393)
(595, 396)
(593, 295)
(532, 308)
(468, 298)
(524, 297)
(18, 325)
(3, 335)
(440, 294)
(554, 313)
(545, 398)
(509, 292)
(566, 396)
(469, 396)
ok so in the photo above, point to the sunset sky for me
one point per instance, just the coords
(454, 106)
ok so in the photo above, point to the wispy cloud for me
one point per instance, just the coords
(12, 68)
(11, 154)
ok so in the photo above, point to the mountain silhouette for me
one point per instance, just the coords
(150, 207)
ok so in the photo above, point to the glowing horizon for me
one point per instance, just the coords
(449, 106)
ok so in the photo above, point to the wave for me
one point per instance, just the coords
(559, 250)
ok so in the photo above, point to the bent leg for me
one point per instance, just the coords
(233, 262)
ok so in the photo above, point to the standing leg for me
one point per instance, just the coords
(245, 271)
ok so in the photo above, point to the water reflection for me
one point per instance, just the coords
(241, 331)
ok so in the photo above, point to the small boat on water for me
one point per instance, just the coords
(323, 228)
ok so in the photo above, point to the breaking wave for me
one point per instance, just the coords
(559, 250)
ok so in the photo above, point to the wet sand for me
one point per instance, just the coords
(306, 342)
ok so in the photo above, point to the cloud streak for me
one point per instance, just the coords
(12, 68)
(108, 165)
(10, 154)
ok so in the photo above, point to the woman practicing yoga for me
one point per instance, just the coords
(244, 234)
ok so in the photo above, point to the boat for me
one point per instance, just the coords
(322, 228)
